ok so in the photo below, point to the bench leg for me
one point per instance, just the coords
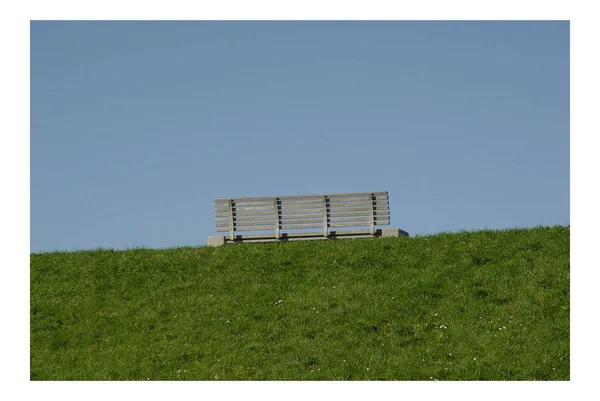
(216, 240)
(393, 232)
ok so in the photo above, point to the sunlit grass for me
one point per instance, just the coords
(488, 305)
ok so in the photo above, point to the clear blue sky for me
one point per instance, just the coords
(137, 126)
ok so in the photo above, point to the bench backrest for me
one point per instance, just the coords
(284, 213)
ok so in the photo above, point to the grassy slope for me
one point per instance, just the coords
(489, 305)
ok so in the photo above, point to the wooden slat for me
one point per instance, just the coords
(314, 206)
(293, 219)
(358, 204)
(296, 226)
(244, 199)
(348, 219)
(303, 213)
(362, 203)
(242, 213)
(257, 228)
(353, 208)
(249, 223)
(269, 223)
(300, 197)
(253, 208)
(359, 199)
(363, 200)
(301, 216)
(350, 213)
(301, 221)
(291, 201)
(294, 197)
(269, 218)
(355, 214)
(380, 193)
(300, 212)
(254, 204)
(364, 223)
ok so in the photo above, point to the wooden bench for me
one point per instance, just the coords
(273, 217)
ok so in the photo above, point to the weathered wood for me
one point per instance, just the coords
(221, 200)
(290, 197)
(301, 216)
(316, 206)
(256, 228)
(347, 219)
(318, 222)
(307, 234)
(362, 203)
(290, 202)
(380, 193)
(302, 212)
(248, 224)
(291, 219)
(307, 225)
(254, 208)
(292, 212)
(365, 223)
(231, 224)
(358, 199)
(325, 217)
(365, 209)
(349, 214)
(239, 213)
(239, 219)
(277, 216)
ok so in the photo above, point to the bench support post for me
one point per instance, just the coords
(231, 222)
(325, 217)
(372, 217)
(277, 217)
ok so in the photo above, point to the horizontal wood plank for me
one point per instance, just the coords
(355, 194)
(364, 202)
(357, 213)
(309, 202)
(292, 197)
(353, 209)
(256, 228)
(317, 222)
(299, 212)
(316, 206)
(298, 226)
(353, 224)
(359, 199)
(253, 208)
(248, 223)
(240, 219)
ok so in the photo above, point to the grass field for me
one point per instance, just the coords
(487, 305)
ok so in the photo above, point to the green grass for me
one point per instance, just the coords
(487, 305)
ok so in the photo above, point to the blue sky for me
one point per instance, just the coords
(137, 126)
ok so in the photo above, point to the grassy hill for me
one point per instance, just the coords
(487, 305)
